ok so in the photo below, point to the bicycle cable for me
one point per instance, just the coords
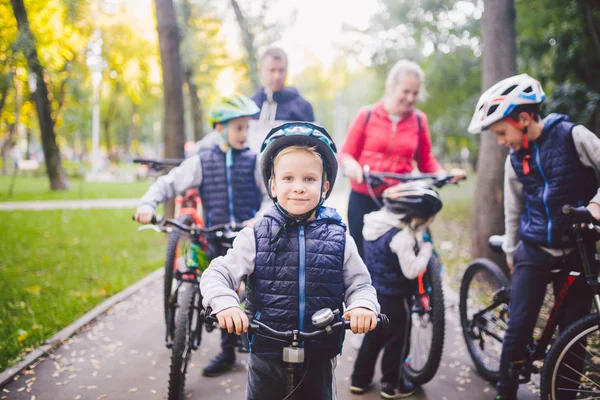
(299, 383)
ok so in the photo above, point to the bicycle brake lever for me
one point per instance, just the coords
(155, 228)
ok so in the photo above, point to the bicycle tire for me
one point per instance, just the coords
(437, 320)
(173, 243)
(497, 279)
(552, 375)
(181, 351)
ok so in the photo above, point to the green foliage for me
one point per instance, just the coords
(559, 44)
(57, 265)
(37, 189)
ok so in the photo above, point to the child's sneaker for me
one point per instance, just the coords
(359, 389)
(404, 389)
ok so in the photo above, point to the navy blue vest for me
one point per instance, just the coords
(294, 277)
(384, 267)
(241, 199)
(557, 177)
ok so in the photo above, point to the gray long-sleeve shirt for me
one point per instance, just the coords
(224, 275)
(588, 150)
(189, 175)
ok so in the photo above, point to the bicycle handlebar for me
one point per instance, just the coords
(259, 327)
(158, 165)
(213, 230)
(376, 179)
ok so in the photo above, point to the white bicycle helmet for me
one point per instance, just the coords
(501, 99)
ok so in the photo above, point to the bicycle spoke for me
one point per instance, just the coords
(580, 374)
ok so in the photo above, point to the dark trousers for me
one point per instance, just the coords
(358, 205)
(532, 273)
(393, 341)
(267, 380)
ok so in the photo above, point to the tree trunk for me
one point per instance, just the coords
(248, 41)
(58, 180)
(195, 106)
(499, 62)
(173, 126)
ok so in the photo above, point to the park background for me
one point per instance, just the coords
(116, 57)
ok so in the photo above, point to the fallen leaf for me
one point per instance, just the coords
(102, 396)
(134, 389)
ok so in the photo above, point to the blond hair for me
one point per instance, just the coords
(404, 68)
(297, 148)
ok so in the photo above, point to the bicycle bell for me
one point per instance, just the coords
(323, 317)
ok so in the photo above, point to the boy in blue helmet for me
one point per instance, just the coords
(552, 162)
(298, 259)
(229, 180)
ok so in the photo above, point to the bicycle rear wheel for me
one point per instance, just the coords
(177, 245)
(181, 353)
(427, 331)
(484, 293)
(572, 366)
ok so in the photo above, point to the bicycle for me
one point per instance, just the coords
(185, 311)
(188, 211)
(484, 316)
(426, 341)
(293, 354)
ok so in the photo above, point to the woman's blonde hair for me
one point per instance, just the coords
(403, 68)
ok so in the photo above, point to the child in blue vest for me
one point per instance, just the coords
(395, 254)
(229, 181)
(298, 259)
(552, 162)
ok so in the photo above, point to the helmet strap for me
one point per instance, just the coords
(525, 145)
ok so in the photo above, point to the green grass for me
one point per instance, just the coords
(57, 265)
(451, 232)
(38, 188)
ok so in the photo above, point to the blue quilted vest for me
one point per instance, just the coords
(557, 177)
(384, 267)
(228, 194)
(298, 272)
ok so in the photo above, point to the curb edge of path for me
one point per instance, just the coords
(56, 340)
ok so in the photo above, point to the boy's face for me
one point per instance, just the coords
(508, 135)
(297, 182)
(237, 132)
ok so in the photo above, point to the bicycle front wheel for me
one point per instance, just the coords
(182, 344)
(428, 327)
(484, 292)
(177, 245)
(572, 366)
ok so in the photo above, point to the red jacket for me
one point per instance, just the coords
(388, 147)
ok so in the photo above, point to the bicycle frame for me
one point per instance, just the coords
(538, 348)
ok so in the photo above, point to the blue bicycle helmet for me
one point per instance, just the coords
(299, 134)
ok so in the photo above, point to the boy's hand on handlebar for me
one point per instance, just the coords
(144, 214)
(233, 319)
(362, 320)
(594, 209)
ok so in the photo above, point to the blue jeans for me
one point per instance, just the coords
(267, 380)
(532, 273)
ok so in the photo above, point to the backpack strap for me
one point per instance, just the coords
(368, 117)
(419, 132)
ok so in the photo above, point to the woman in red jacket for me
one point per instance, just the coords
(389, 136)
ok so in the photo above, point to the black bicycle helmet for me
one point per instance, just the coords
(413, 199)
(299, 134)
